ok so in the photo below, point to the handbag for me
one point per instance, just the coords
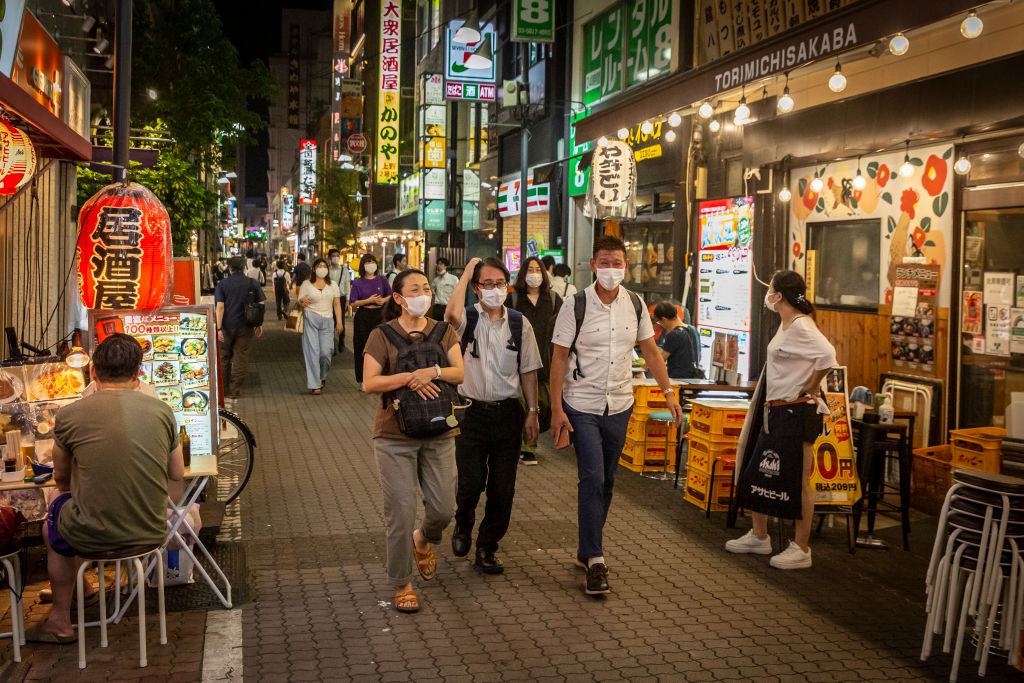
(254, 308)
(772, 478)
(296, 320)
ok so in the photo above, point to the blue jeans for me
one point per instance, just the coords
(317, 348)
(598, 444)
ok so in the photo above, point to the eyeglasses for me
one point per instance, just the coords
(500, 284)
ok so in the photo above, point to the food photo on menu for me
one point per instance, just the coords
(194, 374)
(165, 347)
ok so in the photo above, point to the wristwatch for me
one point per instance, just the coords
(668, 392)
(437, 369)
(534, 409)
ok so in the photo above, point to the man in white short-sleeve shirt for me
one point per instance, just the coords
(592, 391)
(499, 367)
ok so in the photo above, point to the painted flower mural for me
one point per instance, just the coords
(933, 179)
(883, 175)
(908, 200)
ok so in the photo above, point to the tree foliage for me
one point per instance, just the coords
(337, 208)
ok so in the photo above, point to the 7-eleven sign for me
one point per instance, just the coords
(538, 197)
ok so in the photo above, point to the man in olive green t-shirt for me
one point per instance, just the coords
(116, 458)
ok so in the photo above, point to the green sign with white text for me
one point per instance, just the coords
(578, 180)
(625, 46)
(533, 21)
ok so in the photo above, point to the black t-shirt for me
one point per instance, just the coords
(681, 354)
(303, 271)
(232, 291)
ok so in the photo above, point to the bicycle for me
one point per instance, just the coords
(236, 456)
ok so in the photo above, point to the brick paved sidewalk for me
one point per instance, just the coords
(681, 608)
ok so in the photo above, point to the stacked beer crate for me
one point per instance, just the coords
(646, 447)
(715, 427)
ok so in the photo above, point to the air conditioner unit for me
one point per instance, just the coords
(513, 94)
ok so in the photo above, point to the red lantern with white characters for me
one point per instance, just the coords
(17, 158)
(124, 249)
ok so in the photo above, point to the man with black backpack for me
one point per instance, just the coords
(501, 359)
(599, 327)
(239, 320)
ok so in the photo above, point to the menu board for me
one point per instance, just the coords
(725, 262)
(176, 360)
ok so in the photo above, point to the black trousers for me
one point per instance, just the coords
(282, 303)
(439, 311)
(341, 335)
(362, 325)
(487, 456)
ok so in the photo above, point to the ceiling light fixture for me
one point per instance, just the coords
(907, 168)
(971, 26)
(962, 166)
(837, 82)
(714, 126)
(706, 110)
(647, 128)
(785, 103)
(898, 44)
(674, 119)
(623, 133)
(859, 182)
(785, 195)
(743, 111)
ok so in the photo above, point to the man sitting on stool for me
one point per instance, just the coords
(116, 458)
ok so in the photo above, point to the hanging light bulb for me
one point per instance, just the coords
(647, 128)
(898, 44)
(623, 133)
(706, 110)
(670, 136)
(742, 112)
(785, 103)
(785, 195)
(602, 141)
(675, 119)
(907, 168)
(1020, 150)
(837, 83)
(962, 165)
(859, 182)
(714, 126)
(971, 26)
(817, 183)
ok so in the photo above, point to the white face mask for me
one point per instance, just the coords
(492, 298)
(534, 279)
(370, 268)
(321, 272)
(441, 270)
(768, 303)
(417, 306)
(335, 260)
(610, 278)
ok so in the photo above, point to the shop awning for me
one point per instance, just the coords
(52, 137)
(869, 21)
(409, 221)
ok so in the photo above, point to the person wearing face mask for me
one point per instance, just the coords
(533, 297)
(443, 285)
(799, 357)
(282, 282)
(339, 274)
(592, 396)
(501, 358)
(321, 301)
(370, 291)
(407, 463)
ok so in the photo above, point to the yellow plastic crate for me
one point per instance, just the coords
(635, 454)
(703, 453)
(724, 418)
(641, 426)
(699, 487)
(980, 448)
(647, 396)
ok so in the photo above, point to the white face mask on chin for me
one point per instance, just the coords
(417, 306)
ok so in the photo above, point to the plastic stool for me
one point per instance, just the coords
(12, 567)
(659, 416)
(134, 556)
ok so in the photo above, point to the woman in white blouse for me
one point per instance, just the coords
(799, 357)
(321, 302)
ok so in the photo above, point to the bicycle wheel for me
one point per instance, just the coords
(235, 457)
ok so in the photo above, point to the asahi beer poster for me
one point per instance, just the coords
(834, 479)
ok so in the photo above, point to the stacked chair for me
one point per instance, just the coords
(975, 581)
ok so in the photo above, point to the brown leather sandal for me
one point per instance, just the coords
(425, 562)
(406, 601)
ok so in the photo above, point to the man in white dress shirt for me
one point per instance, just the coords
(592, 395)
(501, 359)
(341, 276)
(443, 286)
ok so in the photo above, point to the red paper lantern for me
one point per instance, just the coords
(124, 249)
(17, 158)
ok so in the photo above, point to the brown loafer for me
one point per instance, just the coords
(425, 562)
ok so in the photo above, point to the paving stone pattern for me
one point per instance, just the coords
(681, 608)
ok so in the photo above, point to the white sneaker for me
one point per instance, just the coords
(750, 543)
(792, 558)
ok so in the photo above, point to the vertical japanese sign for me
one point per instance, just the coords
(293, 76)
(650, 40)
(388, 91)
(602, 56)
(307, 172)
(627, 45)
(287, 213)
(533, 21)
(579, 180)
(613, 181)
(834, 473)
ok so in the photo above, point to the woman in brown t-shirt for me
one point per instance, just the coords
(404, 462)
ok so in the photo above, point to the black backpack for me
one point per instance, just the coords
(418, 417)
(579, 309)
(254, 308)
(515, 326)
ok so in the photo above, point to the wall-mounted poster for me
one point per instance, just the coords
(912, 325)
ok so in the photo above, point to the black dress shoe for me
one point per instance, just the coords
(490, 564)
(597, 580)
(460, 544)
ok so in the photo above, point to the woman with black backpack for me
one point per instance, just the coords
(409, 356)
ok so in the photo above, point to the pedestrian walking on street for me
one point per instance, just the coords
(532, 296)
(282, 282)
(370, 291)
(340, 275)
(301, 272)
(560, 281)
(443, 286)
(501, 360)
(321, 302)
(234, 333)
(399, 263)
(592, 396)
(407, 462)
(799, 357)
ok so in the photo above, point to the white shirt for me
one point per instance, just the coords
(256, 274)
(562, 288)
(793, 356)
(494, 376)
(323, 299)
(605, 347)
(340, 276)
(444, 286)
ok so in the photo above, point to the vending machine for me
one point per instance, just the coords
(725, 274)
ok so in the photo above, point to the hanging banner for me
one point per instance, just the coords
(287, 212)
(533, 21)
(293, 76)
(613, 181)
(307, 172)
(834, 479)
(388, 91)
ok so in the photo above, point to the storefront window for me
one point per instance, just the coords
(845, 258)
(991, 296)
(650, 253)
(996, 166)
